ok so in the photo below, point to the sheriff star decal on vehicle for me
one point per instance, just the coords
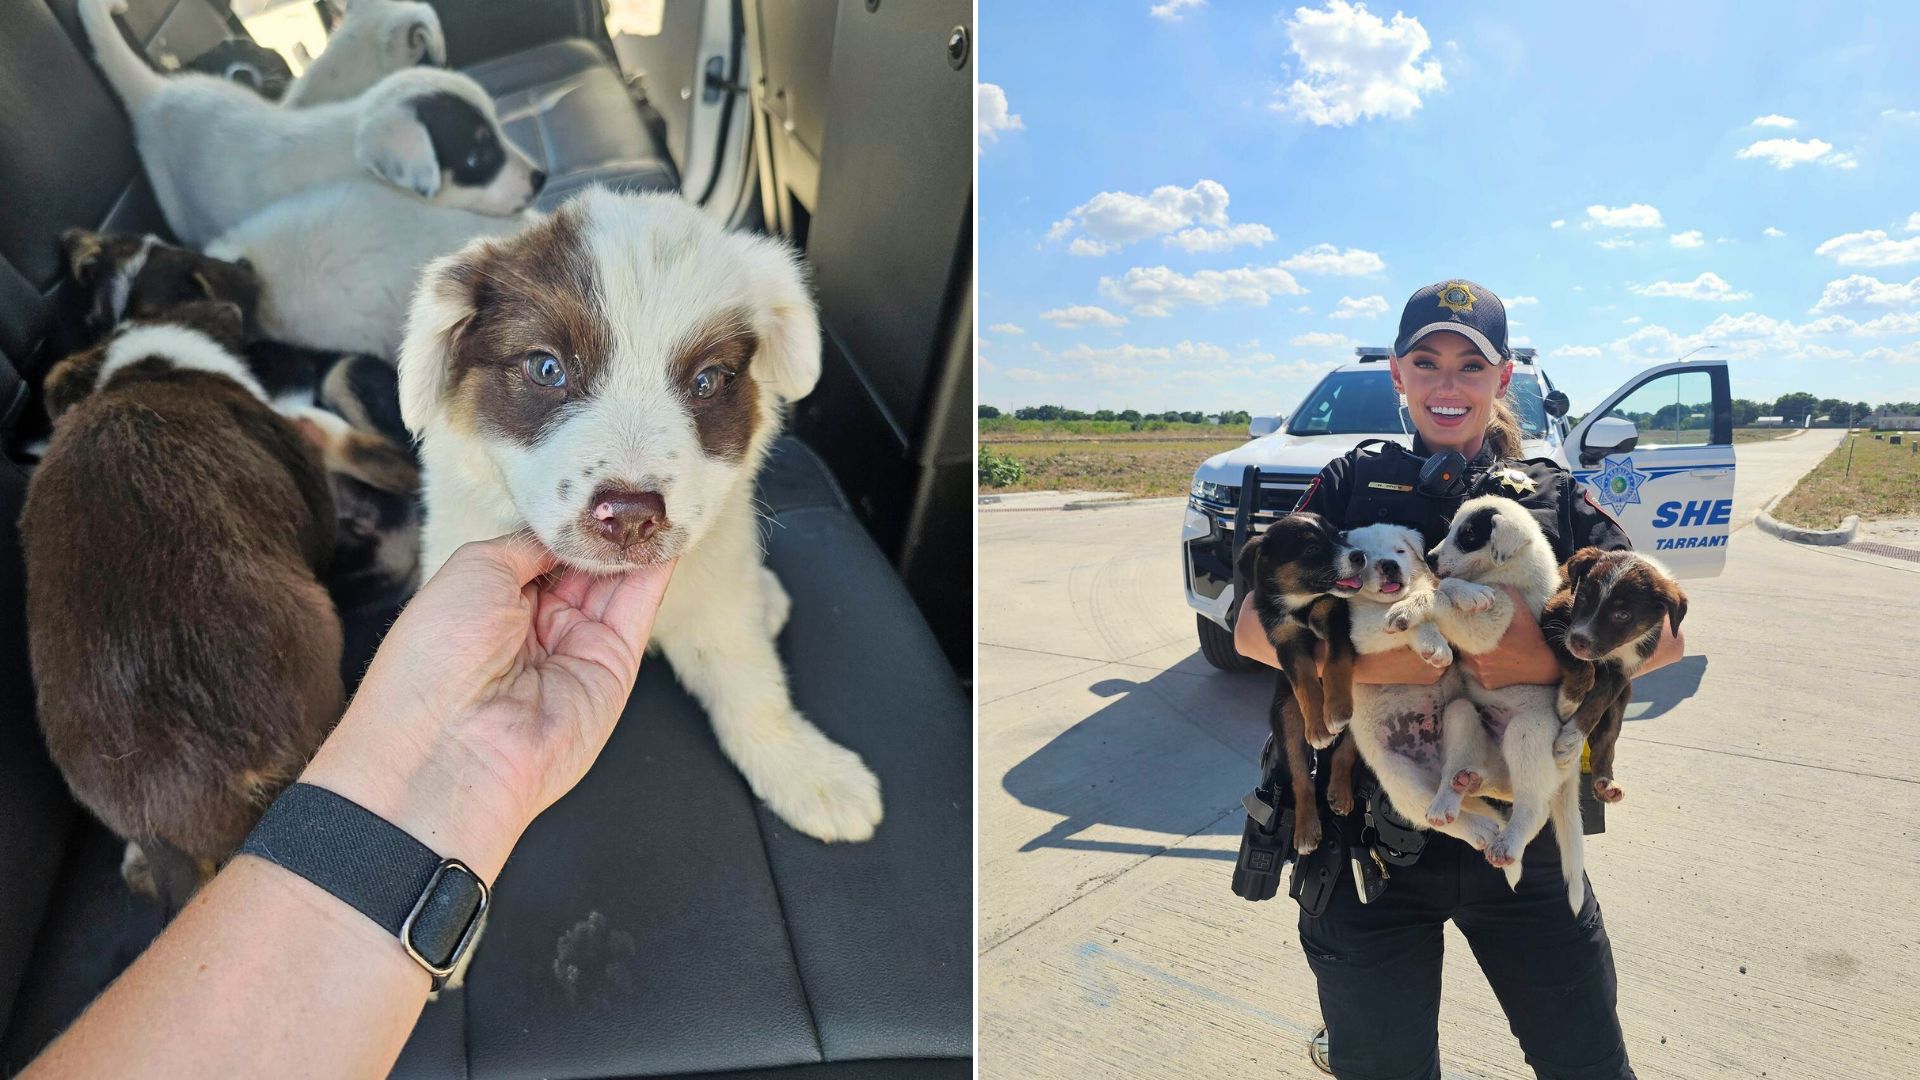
(1457, 298)
(1618, 483)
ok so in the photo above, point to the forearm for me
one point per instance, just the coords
(1251, 638)
(263, 974)
(1673, 646)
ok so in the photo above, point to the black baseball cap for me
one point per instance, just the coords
(1469, 310)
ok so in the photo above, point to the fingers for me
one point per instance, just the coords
(635, 598)
(517, 554)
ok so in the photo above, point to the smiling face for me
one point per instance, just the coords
(1450, 390)
(620, 367)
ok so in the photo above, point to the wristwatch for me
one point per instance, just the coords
(435, 905)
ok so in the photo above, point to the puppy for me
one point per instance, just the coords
(371, 40)
(217, 152)
(1397, 729)
(611, 379)
(338, 263)
(186, 659)
(1603, 623)
(1295, 570)
(1500, 741)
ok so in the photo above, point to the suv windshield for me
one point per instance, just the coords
(1364, 403)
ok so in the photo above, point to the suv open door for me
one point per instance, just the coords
(1658, 455)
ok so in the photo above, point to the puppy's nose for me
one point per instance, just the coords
(1390, 568)
(538, 180)
(627, 517)
(1356, 558)
(1580, 641)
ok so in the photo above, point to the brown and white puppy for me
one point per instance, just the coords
(611, 378)
(185, 656)
(1603, 623)
(1297, 570)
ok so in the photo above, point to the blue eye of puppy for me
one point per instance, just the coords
(710, 381)
(545, 369)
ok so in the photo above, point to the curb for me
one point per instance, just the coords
(1795, 534)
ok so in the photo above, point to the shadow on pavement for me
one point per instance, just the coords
(1170, 754)
(1655, 695)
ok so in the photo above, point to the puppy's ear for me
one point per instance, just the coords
(392, 144)
(221, 320)
(1676, 602)
(1508, 538)
(443, 304)
(789, 359)
(417, 42)
(1580, 565)
(82, 248)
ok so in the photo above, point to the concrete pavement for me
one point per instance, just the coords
(1772, 822)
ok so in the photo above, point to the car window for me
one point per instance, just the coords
(1524, 394)
(1350, 403)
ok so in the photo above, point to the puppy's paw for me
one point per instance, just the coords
(1468, 596)
(1340, 798)
(136, 873)
(1565, 705)
(1436, 653)
(821, 788)
(1399, 617)
(1567, 744)
(1306, 833)
(1607, 790)
(1338, 723)
(1466, 781)
(779, 604)
(1501, 853)
(1444, 808)
(1319, 736)
(1480, 832)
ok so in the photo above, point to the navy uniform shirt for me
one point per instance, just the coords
(1374, 484)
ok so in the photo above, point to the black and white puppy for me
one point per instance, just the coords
(217, 152)
(373, 39)
(611, 378)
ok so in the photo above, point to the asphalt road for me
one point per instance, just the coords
(1761, 882)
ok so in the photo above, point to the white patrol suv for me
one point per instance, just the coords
(1657, 455)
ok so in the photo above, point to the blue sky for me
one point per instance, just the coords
(1203, 205)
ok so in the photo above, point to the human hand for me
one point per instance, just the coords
(492, 694)
(1250, 638)
(1522, 656)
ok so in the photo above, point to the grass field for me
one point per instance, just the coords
(1148, 464)
(1006, 429)
(1884, 483)
(1760, 434)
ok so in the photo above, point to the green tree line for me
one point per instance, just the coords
(1128, 416)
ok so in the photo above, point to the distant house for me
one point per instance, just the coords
(1769, 421)
(1896, 423)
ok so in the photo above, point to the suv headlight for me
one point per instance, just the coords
(1211, 492)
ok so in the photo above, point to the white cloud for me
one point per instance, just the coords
(1521, 301)
(1613, 242)
(1557, 223)
(1913, 222)
(1198, 240)
(1082, 315)
(1861, 290)
(1157, 290)
(1635, 216)
(1870, 248)
(1321, 339)
(1708, 286)
(1004, 328)
(1774, 120)
(1630, 320)
(1355, 66)
(1772, 232)
(1303, 309)
(994, 117)
(1170, 10)
(1786, 153)
(1900, 114)
(1754, 336)
(1028, 375)
(1367, 307)
(1907, 354)
(1689, 239)
(1194, 218)
(1327, 259)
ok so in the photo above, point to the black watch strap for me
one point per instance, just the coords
(434, 905)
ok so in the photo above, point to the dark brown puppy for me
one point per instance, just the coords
(1295, 570)
(1602, 624)
(185, 656)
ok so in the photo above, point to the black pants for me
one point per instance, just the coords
(1378, 966)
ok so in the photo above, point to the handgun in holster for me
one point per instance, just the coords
(1266, 840)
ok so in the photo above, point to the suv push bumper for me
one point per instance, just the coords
(1211, 530)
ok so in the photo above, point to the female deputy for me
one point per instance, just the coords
(1378, 964)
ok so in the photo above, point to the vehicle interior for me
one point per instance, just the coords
(659, 921)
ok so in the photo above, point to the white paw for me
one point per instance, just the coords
(1337, 724)
(1501, 853)
(1566, 745)
(819, 787)
(1399, 617)
(1480, 831)
(1468, 596)
(1444, 808)
(1438, 654)
(779, 604)
(1322, 743)
(1567, 706)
